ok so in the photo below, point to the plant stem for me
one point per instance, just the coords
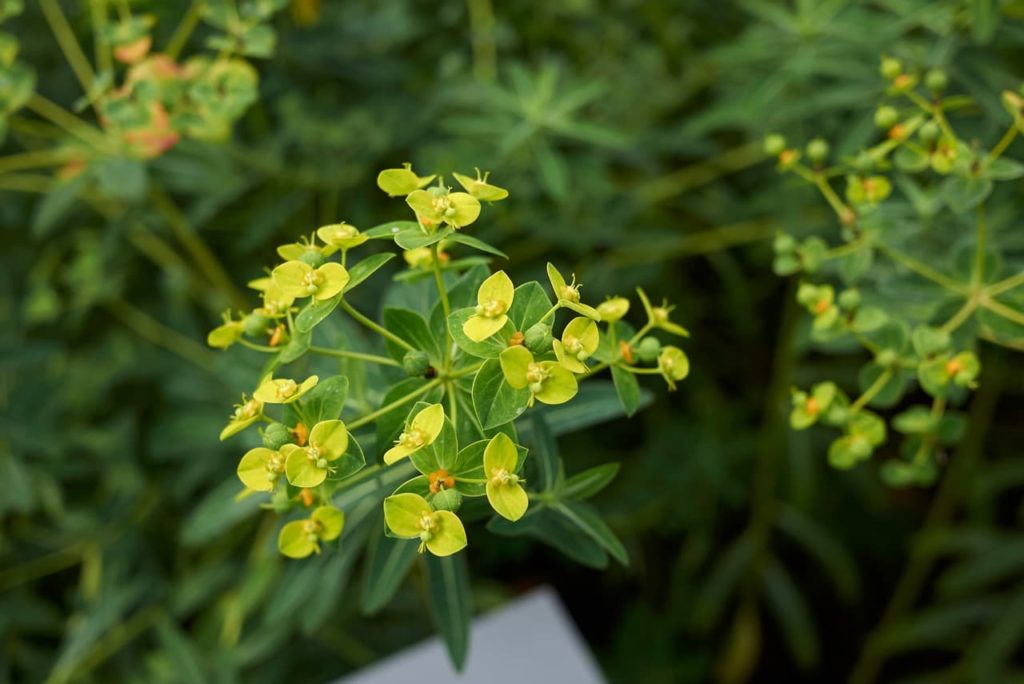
(1005, 284)
(42, 566)
(66, 120)
(1004, 142)
(26, 182)
(111, 642)
(374, 415)
(923, 270)
(204, 257)
(442, 292)
(358, 356)
(960, 316)
(872, 391)
(101, 49)
(695, 175)
(68, 43)
(1001, 309)
(380, 330)
(642, 371)
(918, 568)
(34, 159)
(462, 372)
(978, 271)
(183, 31)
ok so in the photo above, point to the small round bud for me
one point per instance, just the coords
(276, 435)
(886, 117)
(784, 243)
(890, 68)
(929, 132)
(849, 299)
(447, 500)
(936, 80)
(817, 150)
(255, 325)
(538, 338)
(415, 363)
(648, 349)
(313, 257)
(774, 144)
(886, 358)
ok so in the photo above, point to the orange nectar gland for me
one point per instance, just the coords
(440, 480)
(847, 216)
(953, 366)
(897, 132)
(626, 351)
(277, 336)
(811, 406)
(517, 339)
(821, 306)
(301, 434)
(536, 375)
(787, 157)
(307, 497)
(903, 81)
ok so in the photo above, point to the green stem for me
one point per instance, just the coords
(358, 356)
(924, 270)
(642, 371)
(374, 415)
(369, 323)
(485, 52)
(183, 31)
(594, 371)
(197, 248)
(68, 43)
(34, 159)
(1005, 285)
(258, 347)
(960, 316)
(1004, 142)
(442, 292)
(26, 182)
(66, 120)
(978, 271)
(1001, 309)
(101, 48)
(111, 642)
(870, 393)
(41, 567)
(462, 372)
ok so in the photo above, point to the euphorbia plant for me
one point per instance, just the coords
(459, 374)
(923, 278)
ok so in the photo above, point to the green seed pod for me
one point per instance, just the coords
(784, 243)
(538, 338)
(255, 325)
(929, 132)
(886, 117)
(415, 363)
(447, 500)
(648, 349)
(276, 435)
(890, 68)
(817, 150)
(774, 144)
(936, 80)
(313, 257)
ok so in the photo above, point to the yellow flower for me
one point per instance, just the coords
(494, 299)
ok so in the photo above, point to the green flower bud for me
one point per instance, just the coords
(890, 68)
(849, 299)
(774, 144)
(817, 150)
(415, 363)
(447, 500)
(255, 324)
(538, 338)
(276, 435)
(648, 349)
(929, 132)
(936, 80)
(886, 117)
(784, 243)
(313, 257)
(886, 358)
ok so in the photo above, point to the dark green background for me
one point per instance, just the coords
(628, 134)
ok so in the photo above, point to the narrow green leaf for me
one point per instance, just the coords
(791, 612)
(628, 389)
(366, 268)
(413, 328)
(326, 400)
(449, 598)
(496, 402)
(470, 241)
(388, 562)
(315, 312)
(588, 483)
(584, 517)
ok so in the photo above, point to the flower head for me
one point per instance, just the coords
(283, 390)
(309, 465)
(423, 430)
(579, 340)
(399, 182)
(480, 188)
(410, 516)
(548, 381)
(494, 299)
(568, 294)
(658, 316)
(246, 413)
(301, 538)
(341, 236)
(299, 279)
(439, 205)
(260, 469)
(613, 309)
(504, 491)
(673, 364)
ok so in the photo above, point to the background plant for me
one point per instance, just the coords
(641, 128)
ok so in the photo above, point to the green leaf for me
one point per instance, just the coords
(449, 593)
(366, 268)
(388, 562)
(817, 541)
(791, 612)
(545, 460)
(316, 311)
(530, 302)
(963, 194)
(586, 519)
(390, 423)
(296, 347)
(413, 328)
(56, 204)
(470, 241)
(326, 400)
(442, 453)
(628, 389)
(121, 178)
(390, 229)
(549, 527)
(486, 349)
(597, 402)
(183, 652)
(414, 237)
(588, 483)
(495, 401)
(217, 513)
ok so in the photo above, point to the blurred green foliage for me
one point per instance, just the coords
(630, 134)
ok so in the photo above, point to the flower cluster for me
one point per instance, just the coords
(460, 372)
(901, 282)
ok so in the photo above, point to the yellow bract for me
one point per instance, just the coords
(658, 316)
(480, 188)
(673, 364)
(259, 469)
(397, 182)
(283, 390)
(246, 413)
(435, 206)
(494, 299)
(547, 381)
(410, 516)
(341, 236)
(504, 491)
(310, 465)
(299, 279)
(568, 294)
(613, 309)
(579, 340)
(300, 538)
(423, 430)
